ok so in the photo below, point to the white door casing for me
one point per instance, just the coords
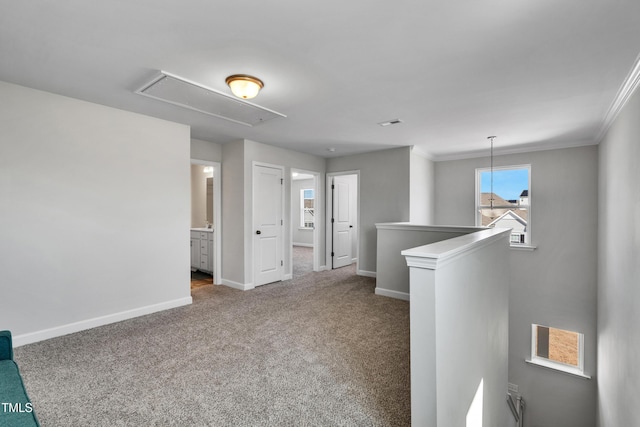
(267, 224)
(341, 223)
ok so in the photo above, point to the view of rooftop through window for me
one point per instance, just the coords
(508, 205)
(308, 208)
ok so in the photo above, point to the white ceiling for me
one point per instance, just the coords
(536, 73)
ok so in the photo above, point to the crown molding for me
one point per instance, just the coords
(503, 151)
(625, 92)
(420, 152)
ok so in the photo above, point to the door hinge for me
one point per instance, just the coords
(281, 181)
(281, 263)
(332, 220)
(332, 254)
(333, 187)
(281, 223)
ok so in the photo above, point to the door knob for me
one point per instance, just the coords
(258, 232)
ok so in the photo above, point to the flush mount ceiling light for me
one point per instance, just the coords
(244, 86)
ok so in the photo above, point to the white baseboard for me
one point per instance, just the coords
(306, 245)
(287, 276)
(322, 268)
(392, 294)
(236, 285)
(366, 273)
(82, 325)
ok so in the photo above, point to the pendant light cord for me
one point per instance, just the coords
(491, 195)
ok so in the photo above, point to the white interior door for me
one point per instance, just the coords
(341, 223)
(267, 224)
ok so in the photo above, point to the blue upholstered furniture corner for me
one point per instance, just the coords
(16, 409)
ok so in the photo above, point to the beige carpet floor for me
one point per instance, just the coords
(302, 261)
(319, 350)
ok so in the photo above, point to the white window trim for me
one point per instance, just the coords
(517, 246)
(524, 247)
(558, 366)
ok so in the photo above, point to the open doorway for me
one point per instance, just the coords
(304, 222)
(205, 223)
(343, 218)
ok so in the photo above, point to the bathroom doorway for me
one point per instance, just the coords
(205, 223)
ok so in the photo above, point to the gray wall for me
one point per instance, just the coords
(384, 194)
(619, 271)
(233, 211)
(302, 236)
(198, 196)
(555, 284)
(94, 214)
(422, 189)
(392, 276)
(205, 150)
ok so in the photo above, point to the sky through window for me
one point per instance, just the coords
(507, 183)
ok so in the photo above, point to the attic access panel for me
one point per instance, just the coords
(187, 94)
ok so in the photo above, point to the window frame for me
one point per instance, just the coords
(552, 364)
(302, 225)
(478, 217)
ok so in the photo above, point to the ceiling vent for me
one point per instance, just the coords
(187, 94)
(390, 122)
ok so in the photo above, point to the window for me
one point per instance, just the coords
(307, 209)
(557, 349)
(503, 200)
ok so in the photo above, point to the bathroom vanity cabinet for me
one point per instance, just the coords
(202, 249)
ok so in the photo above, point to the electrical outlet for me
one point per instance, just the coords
(513, 388)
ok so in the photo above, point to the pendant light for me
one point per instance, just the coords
(491, 138)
